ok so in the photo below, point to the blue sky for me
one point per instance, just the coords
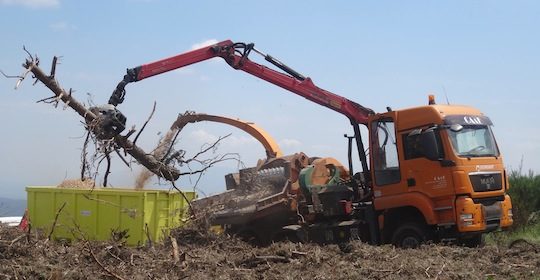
(377, 53)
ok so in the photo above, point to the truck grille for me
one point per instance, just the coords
(486, 181)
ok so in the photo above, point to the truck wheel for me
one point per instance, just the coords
(345, 247)
(410, 235)
(290, 236)
(473, 242)
(248, 237)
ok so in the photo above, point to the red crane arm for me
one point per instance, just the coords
(179, 61)
(307, 89)
(236, 55)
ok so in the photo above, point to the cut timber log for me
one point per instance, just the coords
(147, 160)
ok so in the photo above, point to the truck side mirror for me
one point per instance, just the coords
(429, 145)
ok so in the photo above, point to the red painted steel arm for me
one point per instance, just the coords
(179, 61)
(307, 89)
(236, 55)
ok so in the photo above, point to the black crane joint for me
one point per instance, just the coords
(119, 92)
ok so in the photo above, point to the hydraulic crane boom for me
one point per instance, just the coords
(236, 55)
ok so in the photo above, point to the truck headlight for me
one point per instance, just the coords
(510, 215)
(466, 219)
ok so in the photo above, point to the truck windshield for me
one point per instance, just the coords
(474, 141)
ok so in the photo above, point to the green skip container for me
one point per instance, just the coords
(138, 216)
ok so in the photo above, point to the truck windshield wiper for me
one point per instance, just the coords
(469, 155)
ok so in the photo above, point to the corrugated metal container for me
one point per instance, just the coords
(99, 213)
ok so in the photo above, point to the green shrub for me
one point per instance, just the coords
(525, 193)
(530, 233)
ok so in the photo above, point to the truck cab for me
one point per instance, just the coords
(437, 174)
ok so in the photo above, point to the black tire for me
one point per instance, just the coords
(345, 247)
(410, 235)
(285, 236)
(248, 236)
(473, 242)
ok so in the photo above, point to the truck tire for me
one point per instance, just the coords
(473, 242)
(410, 235)
(290, 236)
(248, 236)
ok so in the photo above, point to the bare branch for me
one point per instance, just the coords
(48, 100)
(55, 220)
(191, 211)
(173, 141)
(83, 155)
(145, 123)
(19, 77)
(210, 147)
(122, 158)
(29, 55)
(66, 104)
(130, 132)
(108, 170)
(93, 121)
(10, 76)
(53, 67)
(100, 264)
(209, 163)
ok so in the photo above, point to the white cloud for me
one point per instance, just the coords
(232, 141)
(203, 136)
(62, 26)
(241, 141)
(32, 3)
(290, 143)
(204, 44)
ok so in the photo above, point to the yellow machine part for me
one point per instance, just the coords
(270, 145)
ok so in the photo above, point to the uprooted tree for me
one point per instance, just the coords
(163, 161)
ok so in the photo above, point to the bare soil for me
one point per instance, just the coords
(207, 256)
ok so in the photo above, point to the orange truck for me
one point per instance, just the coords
(433, 172)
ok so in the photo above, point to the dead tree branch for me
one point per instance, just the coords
(108, 170)
(212, 146)
(145, 123)
(122, 158)
(175, 252)
(56, 220)
(191, 211)
(53, 67)
(159, 168)
(100, 264)
(20, 77)
(83, 156)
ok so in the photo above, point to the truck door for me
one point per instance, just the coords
(384, 157)
(430, 178)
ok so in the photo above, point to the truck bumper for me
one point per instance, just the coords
(506, 219)
(483, 217)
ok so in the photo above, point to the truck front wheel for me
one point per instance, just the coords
(410, 235)
(473, 242)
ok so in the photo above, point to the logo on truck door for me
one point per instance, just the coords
(438, 182)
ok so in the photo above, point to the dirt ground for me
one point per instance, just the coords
(207, 256)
